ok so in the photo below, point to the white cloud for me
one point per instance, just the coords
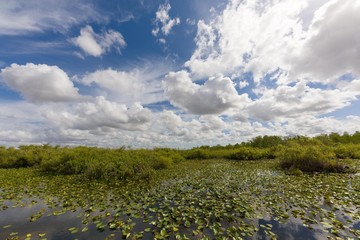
(230, 43)
(190, 21)
(141, 83)
(100, 114)
(353, 86)
(332, 45)
(299, 100)
(217, 95)
(287, 47)
(312, 126)
(243, 84)
(162, 40)
(40, 83)
(19, 17)
(98, 44)
(104, 123)
(127, 84)
(317, 40)
(163, 22)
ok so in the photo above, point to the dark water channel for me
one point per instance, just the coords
(15, 222)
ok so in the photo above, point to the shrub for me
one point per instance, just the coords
(248, 153)
(162, 162)
(350, 151)
(24, 156)
(197, 154)
(173, 154)
(310, 159)
(108, 164)
(295, 172)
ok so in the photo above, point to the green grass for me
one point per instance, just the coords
(92, 162)
(312, 158)
(320, 154)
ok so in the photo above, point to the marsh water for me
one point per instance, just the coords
(196, 200)
(59, 227)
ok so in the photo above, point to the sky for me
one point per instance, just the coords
(176, 73)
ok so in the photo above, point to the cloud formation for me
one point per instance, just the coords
(19, 17)
(279, 38)
(40, 83)
(141, 83)
(288, 71)
(95, 45)
(124, 83)
(163, 22)
(215, 96)
(291, 102)
(231, 43)
(332, 44)
(100, 114)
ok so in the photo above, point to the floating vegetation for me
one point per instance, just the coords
(211, 199)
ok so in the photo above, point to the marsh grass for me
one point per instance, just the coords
(91, 162)
(324, 153)
(313, 158)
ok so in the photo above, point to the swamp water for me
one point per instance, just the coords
(211, 199)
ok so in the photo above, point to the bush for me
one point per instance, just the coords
(173, 154)
(316, 158)
(197, 154)
(161, 162)
(303, 153)
(248, 153)
(108, 164)
(348, 151)
(24, 156)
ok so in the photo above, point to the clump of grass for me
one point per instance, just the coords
(92, 162)
(347, 151)
(311, 158)
(295, 172)
(24, 156)
(108, 164)
(248, 153)
(197, 154)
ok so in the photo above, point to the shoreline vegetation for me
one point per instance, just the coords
(324, 153)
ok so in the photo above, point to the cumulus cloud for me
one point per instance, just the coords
(40, 83)
(285, 48)
(163, 22)
(243, 84)
(332, 45)
(302, 39)
(104, 123)
(215, 96)
(230, 43)
(175, 128)
(100, 114)
(312, 126)
(95, 45)
(20, 17)
(137, 84)
(125, 83)
(353, 86)
(298, 100)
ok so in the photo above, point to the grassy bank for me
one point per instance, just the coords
(325, 153)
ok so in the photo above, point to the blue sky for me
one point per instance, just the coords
(176, 73)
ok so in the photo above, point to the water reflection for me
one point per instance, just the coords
(292, 229)
(57, 227)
